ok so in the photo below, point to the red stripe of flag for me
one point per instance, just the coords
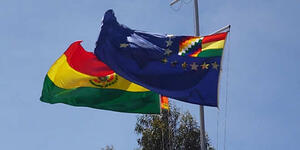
(214, 37)
(86, 62)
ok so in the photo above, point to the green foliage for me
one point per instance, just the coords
(111, 147)
(168, 131)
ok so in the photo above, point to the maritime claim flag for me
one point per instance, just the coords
(185, 68)
(78, 78)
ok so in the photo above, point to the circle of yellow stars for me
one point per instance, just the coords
(193, 66)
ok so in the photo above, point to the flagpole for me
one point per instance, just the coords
(202, 123)
(201, 111)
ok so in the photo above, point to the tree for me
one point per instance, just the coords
(168, 131)
(111, 147)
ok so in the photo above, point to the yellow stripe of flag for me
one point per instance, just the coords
(213, 45)
(64, 76)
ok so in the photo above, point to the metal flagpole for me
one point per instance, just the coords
(202, 124)
(197, 33)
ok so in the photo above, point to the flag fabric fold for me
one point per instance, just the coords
(78, 78)
(185, 68)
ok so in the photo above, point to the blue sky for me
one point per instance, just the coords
(261, 71)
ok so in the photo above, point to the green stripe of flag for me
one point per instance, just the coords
(102, 98)
(211, 53)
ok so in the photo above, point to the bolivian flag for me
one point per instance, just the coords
(203, 47)
(78, 78)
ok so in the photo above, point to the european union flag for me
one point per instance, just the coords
(185, 68)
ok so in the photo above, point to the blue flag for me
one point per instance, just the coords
(185, 68)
